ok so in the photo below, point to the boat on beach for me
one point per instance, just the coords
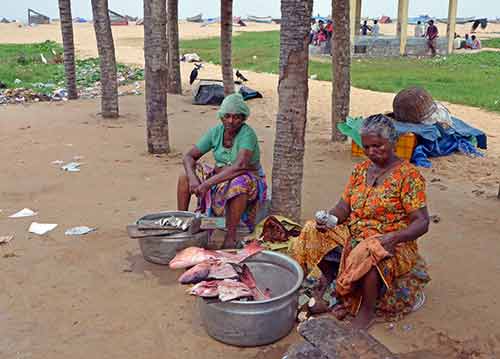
(260, 19)
(196, 18)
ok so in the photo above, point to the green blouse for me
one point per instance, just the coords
(246, 139)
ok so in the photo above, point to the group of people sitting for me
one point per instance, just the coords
(320, 33)
(467, 43)
(372, 252)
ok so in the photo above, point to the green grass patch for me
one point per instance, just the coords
(21, 65)
(24, 63)
(492, 43)
(469, 79)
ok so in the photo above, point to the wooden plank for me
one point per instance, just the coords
(339, 340)
(452, 21)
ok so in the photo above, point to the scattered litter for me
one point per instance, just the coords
(302, 317)
(313, 77)
(71, 167)
(391, 326)
(57, 162)
(407, 327)
(190, 58)
(435, 218)
(17, 81)
(6, 239)
(44, 60)
(25, 212)
(41, 228)
(79, 231)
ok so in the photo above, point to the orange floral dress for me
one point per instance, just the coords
(376, 210)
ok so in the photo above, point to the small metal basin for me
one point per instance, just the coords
(161, 250)
(254, 323)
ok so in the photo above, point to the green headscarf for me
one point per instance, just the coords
(233, 104)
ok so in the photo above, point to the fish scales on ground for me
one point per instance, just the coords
(192, 256)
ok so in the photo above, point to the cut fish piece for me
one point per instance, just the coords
(205, 289)
(194, 255)
(41, 228)
(230, 289)
(247, 278)
(221, 270)
(25, 212)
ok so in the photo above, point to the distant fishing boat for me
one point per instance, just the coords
(260, 19)
(459, 21)
(196, 18)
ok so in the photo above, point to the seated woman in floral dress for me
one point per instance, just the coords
(385, 199)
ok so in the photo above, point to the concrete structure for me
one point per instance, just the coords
(402, 24)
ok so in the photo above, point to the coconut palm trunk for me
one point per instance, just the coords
(156, 75)
(226, 39)
(174, 65)
(106, 50)
(68, 47)
(289, 145)
(341, 65)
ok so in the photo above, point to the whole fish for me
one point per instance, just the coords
(230, 289)
(205, 289)
(192, 256)
(196, 274)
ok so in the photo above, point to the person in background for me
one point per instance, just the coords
(419, 29)
(476, 43)
(432, 34)
(314, 30)
(375, 28)
(365, 28)
(468, 42)
(457, 43)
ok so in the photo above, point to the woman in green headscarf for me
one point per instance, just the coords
(236, 184)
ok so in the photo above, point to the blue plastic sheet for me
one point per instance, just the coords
(433, 140)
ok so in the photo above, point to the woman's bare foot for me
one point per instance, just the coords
(340, 311)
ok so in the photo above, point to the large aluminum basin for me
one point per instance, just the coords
(255, 323)
(161, 250)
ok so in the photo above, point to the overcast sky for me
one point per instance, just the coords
(16, 9)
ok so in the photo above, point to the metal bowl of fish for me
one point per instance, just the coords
(253, 323)
(162, 235)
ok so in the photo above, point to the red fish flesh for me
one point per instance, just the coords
(230, 289)
(192, 256)
(205, 289)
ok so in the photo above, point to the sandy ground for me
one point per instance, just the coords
(64, 297)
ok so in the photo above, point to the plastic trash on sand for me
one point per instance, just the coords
(190, 58)
(71, 167)
(25, 212)
(79, 231)
(41, 228)
(6, 239)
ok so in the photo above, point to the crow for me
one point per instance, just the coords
(194, 73)
(240, 76)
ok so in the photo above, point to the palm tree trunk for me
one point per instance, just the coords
(341, 65)
(106, 50)
(156, 75)
(69, 47)
(174, 65)
(226, 38)
(289, 145)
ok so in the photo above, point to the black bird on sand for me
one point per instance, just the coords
(240, 76)
(194, 74)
